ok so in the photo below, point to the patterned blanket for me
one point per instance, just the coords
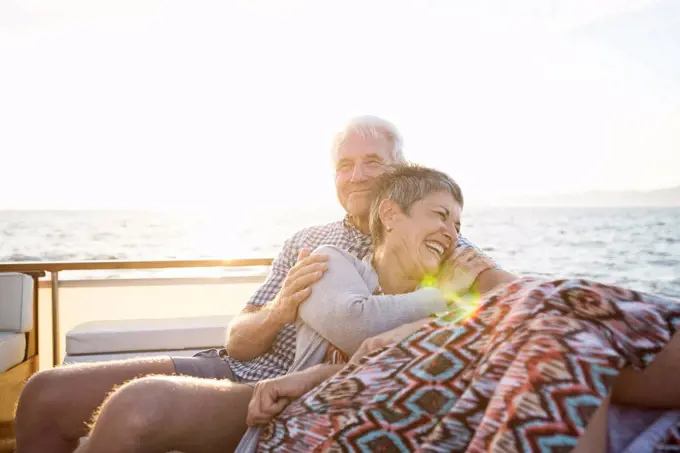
(523, 373)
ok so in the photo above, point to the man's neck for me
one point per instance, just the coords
(391, 275)
(360, 224)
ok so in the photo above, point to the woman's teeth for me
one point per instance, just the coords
(435, 247)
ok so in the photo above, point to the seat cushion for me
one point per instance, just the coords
(85, 439)
(87, 358)
(16, 302)
(12, 349)
(103, 337)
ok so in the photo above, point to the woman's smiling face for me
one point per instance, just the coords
(426, 235)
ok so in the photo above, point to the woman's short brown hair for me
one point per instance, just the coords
(405, 184)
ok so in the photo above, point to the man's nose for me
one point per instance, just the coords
(358, 173)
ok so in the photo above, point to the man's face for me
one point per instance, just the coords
(358, 162)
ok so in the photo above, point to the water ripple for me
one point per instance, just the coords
(638, 248)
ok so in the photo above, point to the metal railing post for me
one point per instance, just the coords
(56, 337)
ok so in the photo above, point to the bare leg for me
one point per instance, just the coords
(657, 386)
(56, 404)
(594, 439)
(157, 414)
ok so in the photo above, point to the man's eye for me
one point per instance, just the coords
(442, 215)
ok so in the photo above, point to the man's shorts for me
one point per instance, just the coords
(209, 364)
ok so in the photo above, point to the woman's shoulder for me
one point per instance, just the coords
(333, 251)
(336, 255)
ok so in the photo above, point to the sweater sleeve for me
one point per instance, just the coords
(343, 310)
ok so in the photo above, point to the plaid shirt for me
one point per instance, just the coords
(276, 362)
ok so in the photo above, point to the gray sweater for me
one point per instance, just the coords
(343, 310)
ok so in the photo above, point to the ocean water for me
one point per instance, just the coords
(634, 247)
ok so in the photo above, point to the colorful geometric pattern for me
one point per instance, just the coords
(524, 373)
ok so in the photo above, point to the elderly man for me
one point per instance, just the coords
(182, 410)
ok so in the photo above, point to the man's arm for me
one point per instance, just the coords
(274, 304)
(253, 332)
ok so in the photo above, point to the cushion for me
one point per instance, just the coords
(16, 302)
(87, 358)
(102, 337)
(12, 349)
(84, 440)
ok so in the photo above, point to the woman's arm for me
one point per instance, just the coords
(493, 278)
(271, 396)
(468, 268)
(388, 338)
(342, 309)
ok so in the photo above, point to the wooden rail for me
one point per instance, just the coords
(58, 266)
(54, 267)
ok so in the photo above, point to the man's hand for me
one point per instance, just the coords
(461, 271)
(296, 287)
(253, 332)
(387, 338)
(271, 396)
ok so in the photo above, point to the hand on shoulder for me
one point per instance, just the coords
(296, 287)
(460, 272)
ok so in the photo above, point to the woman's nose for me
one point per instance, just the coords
(451, 233)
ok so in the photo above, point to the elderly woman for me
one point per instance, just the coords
(414, 223)
(533, 368)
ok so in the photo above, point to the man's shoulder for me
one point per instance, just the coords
(323, 227)
(332, 233)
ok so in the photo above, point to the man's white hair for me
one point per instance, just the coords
(369, 126)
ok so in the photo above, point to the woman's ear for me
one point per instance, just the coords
(389, 212)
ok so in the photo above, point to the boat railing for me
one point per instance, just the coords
(54, 268)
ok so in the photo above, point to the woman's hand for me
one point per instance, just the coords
(461, 270)
(387, 338)
(271, 396)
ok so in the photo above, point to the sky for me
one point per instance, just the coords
(228, 105)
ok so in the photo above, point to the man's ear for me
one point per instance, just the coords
(389, 212)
